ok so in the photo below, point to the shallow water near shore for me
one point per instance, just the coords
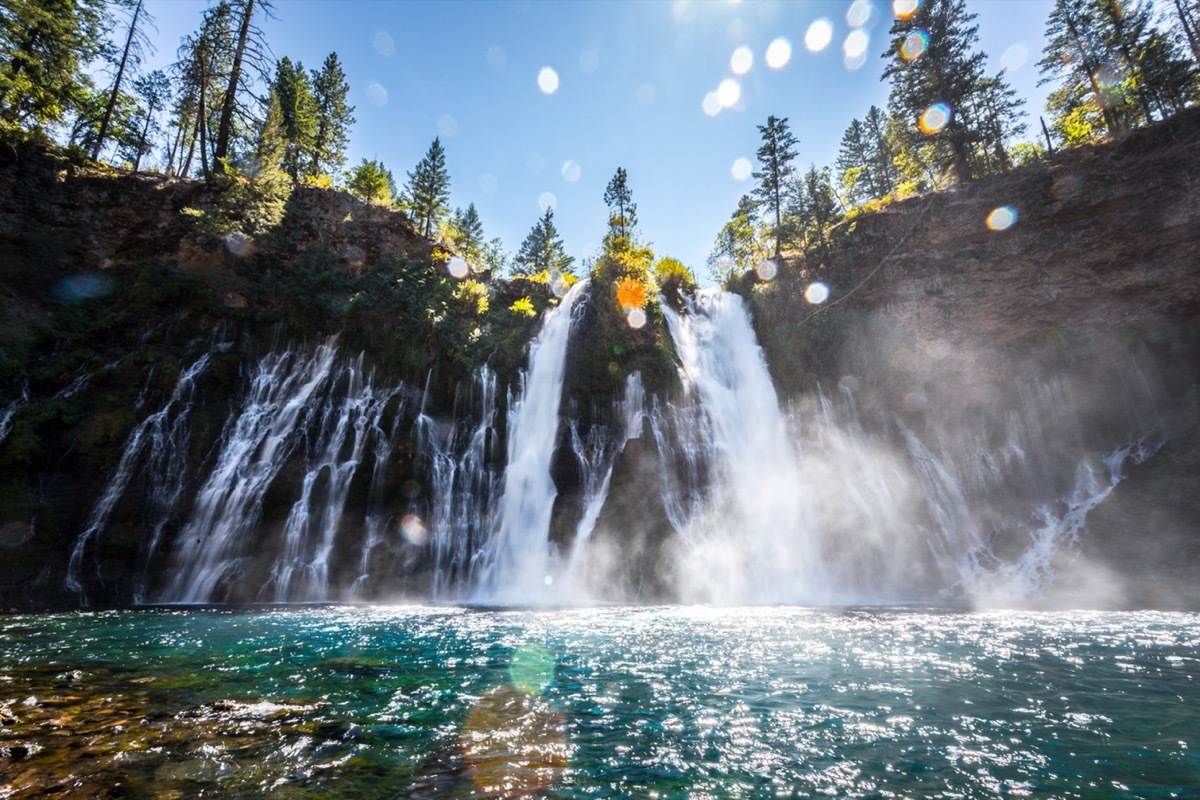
(434, 701)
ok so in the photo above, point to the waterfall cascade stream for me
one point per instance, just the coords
(797, 502)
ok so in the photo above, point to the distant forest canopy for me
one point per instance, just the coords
(226, 110)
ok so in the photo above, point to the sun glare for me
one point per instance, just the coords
(779, 53)
(742, 60)
(819, 35)
(548, 80)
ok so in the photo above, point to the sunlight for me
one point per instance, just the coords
(819, 35)
(741, 60)
(548, 80)
(728, 93)
(935, 118)
(914, 45)
(1002, 218)
(779, 53)
(855, 49)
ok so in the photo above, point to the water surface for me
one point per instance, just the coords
(679, 702)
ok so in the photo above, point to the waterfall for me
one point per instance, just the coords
(163, 430)
(753, 541)
(9, 411)
(463, 486)
(519, 557)
(809, 506)
(345, 429)
(596, 454)
(254, 448)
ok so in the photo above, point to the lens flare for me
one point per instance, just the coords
(571, 172)
(547, 200)
(646, 95)
(767, 270)
(779, 53)
(855, 49)
(496, 56)
(589, 61)
(82, 287)
(238, 244)
(914, 45)
(547, 80)
(935, 118)
(741, 169)
(535, 163)
(904, 9)
(1014, 57)
(385, 45)
(819, 35)
(377, 95)
(488, 184)
(631, 294)
(516, 743)
(728, 93)
(636, 319)
(860, 13)
(413, 529)
(816, 293)
(447, 126)
(742, 60)
(1002, 218)
(531, 669)
(457, 267)
(711, 104)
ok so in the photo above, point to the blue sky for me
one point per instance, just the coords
(631, 82)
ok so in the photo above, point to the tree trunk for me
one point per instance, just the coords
(112, 98)
(225, 128)
(137, 159)
(1189, 29)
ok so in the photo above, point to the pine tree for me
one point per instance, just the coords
(249, 55)
(1076, 53)
(775, 157)
(932, 62)
(542, 250)
(882, 153)
(739, 246)
(466, 234)
(44, 47)
(136, 43)
(334, 118)
(622, 211)
(428, 190)
(298, 115)
(272, 138)
(154, 92)
(999, 120)
(204, 60)
(816, 210)
(372, 182)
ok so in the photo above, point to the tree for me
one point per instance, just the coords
(775, 157)
(298, 115)
(334, 118)
(154, 91)
(44, 47)
(816, 209)
(136, 43)
(739, 246)
(203, 59)
(622, 211)
(1188, 14)
(428, 190)
(1115, 67)
(936, 77)
(466, 234)
(249, 51)
(999, 120)
(542, 250)
(372, 182)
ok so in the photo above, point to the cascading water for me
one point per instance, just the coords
(519, 555)
(811, 507)
(301, 571)
(753, 541)
(254, 449)
(162, 431)
(464, 487)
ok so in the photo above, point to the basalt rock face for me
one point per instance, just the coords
(934, 315)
